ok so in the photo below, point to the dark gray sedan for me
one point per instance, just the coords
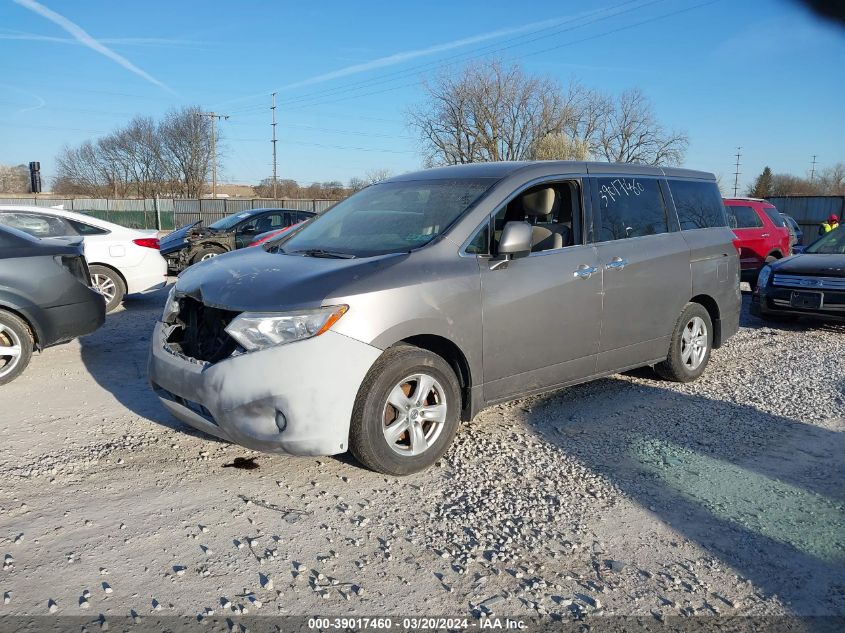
(811, 284)
(44, 298)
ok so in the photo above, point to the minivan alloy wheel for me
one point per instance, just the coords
(414, 415)
(11, 350)
(207, 256)
(694, 343)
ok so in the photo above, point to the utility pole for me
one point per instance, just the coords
(736, 173)
(214, 117)
(273, 110)
(813, 168)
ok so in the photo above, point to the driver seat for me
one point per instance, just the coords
(544, 203)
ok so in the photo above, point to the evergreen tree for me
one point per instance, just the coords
(763, 185)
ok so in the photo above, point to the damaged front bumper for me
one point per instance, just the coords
(295, 398)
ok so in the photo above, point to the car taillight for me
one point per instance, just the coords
(147, 242)
(76, 266)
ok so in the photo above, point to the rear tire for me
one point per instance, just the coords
(108, 283)
(689, 349)
(16, 345)
(406, 413)
(207, 252)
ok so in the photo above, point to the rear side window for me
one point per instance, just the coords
(85, 229)
(699, 204)
(630, 207)
(774, 216)
(743, 217)
(37, 225)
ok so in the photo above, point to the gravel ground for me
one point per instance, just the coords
(627, 496)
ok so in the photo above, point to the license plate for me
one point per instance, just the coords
(808, 300)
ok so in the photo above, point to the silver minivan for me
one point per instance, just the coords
(379, 325)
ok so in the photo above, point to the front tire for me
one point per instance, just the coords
(407, 412)
(207, 253)
(16, 345)
(109, 284)
(689, 349)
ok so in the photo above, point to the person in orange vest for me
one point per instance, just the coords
(832, 223)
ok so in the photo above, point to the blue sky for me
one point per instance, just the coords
(765, 75)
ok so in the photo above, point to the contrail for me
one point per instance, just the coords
(398, 58)
(126, 41)
(42, 102)
(85, 39)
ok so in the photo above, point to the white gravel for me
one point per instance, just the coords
(628, 495)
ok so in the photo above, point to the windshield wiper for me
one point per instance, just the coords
(319, 252)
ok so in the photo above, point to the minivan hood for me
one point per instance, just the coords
(256, 280)
(830, 264)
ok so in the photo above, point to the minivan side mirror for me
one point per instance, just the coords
(516, 240)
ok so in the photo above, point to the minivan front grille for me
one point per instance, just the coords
(809, 282)
(201, 331)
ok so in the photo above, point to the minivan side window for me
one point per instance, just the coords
(743, 217)
(699, 204)
(630, 207)
(556, 221)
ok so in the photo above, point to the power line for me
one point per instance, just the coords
(813, 168)
(213, 116)
(310, 144)
(482, 51)
(310, 104)
(737, 172)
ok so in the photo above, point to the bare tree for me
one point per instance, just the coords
(82, 171)
(832, 180)
(631, 134)
(186, 150)
(559, 146)
(330, 190)
(487, 112)
(356, 184)
(377, 175)
(787, 184)
(144, 145)
(14, 178)
(144, 159)
(490, 112)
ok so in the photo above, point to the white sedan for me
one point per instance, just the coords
(122, 261)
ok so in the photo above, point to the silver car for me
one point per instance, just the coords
(381, 324)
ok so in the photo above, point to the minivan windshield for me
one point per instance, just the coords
(831, 243)
(389, 217)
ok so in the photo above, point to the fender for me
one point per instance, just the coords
(26, 310)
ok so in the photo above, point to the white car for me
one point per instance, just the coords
(122, 261)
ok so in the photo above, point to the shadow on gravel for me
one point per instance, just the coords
(765, 494)
(116, 356)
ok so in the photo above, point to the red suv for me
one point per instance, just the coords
(761, 234)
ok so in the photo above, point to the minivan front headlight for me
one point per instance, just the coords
(171, 306)
(763, 277)
(258, 330)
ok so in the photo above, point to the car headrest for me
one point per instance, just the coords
(538, 203)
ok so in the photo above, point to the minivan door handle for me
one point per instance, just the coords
(585, 272)
(617, 263)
